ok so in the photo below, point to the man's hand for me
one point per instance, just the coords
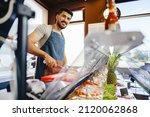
(50, 62)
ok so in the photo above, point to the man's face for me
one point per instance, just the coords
(63, 19)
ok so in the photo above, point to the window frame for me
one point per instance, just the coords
(83, 14)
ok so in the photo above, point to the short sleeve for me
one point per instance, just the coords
(41, 30)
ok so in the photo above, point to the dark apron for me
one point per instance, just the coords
(54, 46)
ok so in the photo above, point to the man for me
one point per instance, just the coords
(51, 43)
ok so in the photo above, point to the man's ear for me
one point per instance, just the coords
(57, 17)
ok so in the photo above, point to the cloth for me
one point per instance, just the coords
(54, 46)
(43, 31)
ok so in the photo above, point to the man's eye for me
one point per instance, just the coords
(69, 19)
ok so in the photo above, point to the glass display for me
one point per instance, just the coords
(96, 51)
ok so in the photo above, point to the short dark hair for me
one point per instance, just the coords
(64, 9)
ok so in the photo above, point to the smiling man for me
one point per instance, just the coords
(51, 43)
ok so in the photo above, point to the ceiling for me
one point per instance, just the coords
(48, 3)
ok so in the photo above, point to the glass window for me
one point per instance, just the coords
(138, 24)
(74, 37)
(141, 54)
(41, 17)
(41, 14)
(77, 16)
(134, 7)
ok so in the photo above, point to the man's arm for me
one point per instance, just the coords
(32, 48)
(32, 40)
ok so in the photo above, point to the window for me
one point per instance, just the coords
(134, 7)
(135, 17)
(74, 35)
(77, 16)
(41, 14)
(41, 17)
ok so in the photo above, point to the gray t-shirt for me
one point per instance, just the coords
(43, 32)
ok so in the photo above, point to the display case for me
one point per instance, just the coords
(88, 81)
(142, 76)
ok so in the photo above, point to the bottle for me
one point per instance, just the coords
(111, 23)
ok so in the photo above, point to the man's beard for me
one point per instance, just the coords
(60, 26)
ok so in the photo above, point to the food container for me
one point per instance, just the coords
(96, 52)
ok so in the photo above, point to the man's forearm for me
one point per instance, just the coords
(36, 51)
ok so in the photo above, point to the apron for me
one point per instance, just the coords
(54, 46)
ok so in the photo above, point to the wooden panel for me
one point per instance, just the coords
(93, 11)
(49, 3)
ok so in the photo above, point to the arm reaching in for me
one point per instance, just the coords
(33, 49)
